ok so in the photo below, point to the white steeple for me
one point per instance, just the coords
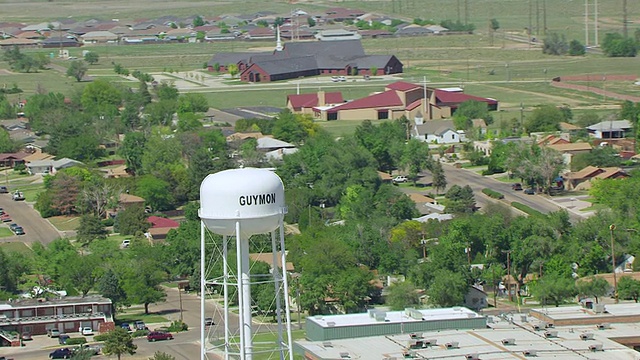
(278, 41)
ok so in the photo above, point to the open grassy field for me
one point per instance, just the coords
(515, 73)
(16, 247)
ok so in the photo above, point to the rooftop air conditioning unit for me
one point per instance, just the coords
(549, 325)
(523, 318)
(586, 336)
(604, 326)
(331, 324)
(327, 344)
(452, 345)
(530, 353)
(550, 334)
(345, 355)
(509, 341)
(472, 356)
(598, 308)
(430, 342)
(596, 347)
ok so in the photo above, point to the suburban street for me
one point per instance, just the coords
(35, 227)
(477, 182)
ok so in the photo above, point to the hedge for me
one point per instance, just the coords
(526, 209)
(76, 341)
(101, 337)
(492, 193)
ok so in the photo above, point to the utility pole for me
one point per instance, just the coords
(586, 22)
(508, 273)
(544, 16)
(538, 18)
(595, 22)
(624, 18)
(458, 7)
(530, 21)
(613, 262)
(466, 12)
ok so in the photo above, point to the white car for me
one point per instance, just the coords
(342, 78)
(400, 179)
(125, 243)
(86, 331)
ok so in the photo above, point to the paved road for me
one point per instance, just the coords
(36, 228)
(478, 182)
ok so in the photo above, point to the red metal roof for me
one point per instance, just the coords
(402, 86)
(159, 222)
(311, 100)
(381, 100)
(450, 97)
(414, 104)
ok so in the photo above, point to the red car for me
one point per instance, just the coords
(5, 218)
(159, 335)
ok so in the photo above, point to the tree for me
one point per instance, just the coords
(402, 295)
(460, 200)
(132, 150)
(131, 221)
(77, 70)
(80, 273)
(198, 21)
(118, 342)
(447, 289)
(167, 91)
(311, 21)
(98, 196)
(545, 118)
(472, 109)
(141, 282)
(91, 57)
(629, 288)
(593, 286)
(232, 69)
(494, 25)
(108, 284)
(90, 229)
(192, 102)
(415, 158)
(553, 289)
(155, 191)
(576, 48)
(439, 179)
(555, 44)
(616, 45)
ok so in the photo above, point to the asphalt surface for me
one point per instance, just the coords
(478, 182)
(35, 227)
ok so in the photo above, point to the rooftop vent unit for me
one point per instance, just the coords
(586, 336)
(430, 342)
(380, 316)
(509, 341)
(452, 345)
(604, 326)
(331, 324)
(523, 318)
(415, 335)
(598, 308)
(530, 353)
(596, 347)
(327, 344)
(472, 356)
(345, 355)
(551, 334)
(548, 325)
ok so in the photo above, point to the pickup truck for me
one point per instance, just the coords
(17, 196)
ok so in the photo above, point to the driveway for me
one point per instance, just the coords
(36, 228)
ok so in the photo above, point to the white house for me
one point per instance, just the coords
(612, 129)
(436, 131)
(49, 166)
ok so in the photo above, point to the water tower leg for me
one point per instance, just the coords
(283, 256)
(203, 282)
(225, 289)
(244, 293)
(277, 278)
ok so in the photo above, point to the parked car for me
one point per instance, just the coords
(18, 196)
(140, 325)
(126, 326)
(400, 179)
(62, 339)
(4, 190)
(13, 226)
(89, 349)
(53, 333)
(5, 218)
(516, 186)
(208, 321)
(159, 335)
(26, 336)
(18, 230)
(64, 353)
(529, 191)
(342, 78)
(125, 243)
(335, 79)
(87, 331)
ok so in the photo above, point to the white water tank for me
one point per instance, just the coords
(253, 197)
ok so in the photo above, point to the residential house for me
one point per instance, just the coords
(99, 37)
(278, 154)
(476, 298)
(436, 131)
(260, 33)
(160, 227)
(339, 14)
(413, 30)
(581, 180)
(443, 103)
(423, 203)
(126, 200)
(553, 139)
(10, 160)
(50, 166)
(21, 43)
(268, 257)
(67, 314)
(337, 35)
(385, 177)
(304, 103)
(569, 150)
(433, 216)
(59, 41)
(268, 143)
(612, 129)
(568, 128)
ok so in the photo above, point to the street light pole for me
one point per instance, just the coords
(613, 262)
(508, 273)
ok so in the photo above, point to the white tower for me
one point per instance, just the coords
(278, 40)
(237, 204)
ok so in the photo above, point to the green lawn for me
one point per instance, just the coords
(16, 247)
(5, 232)
(131, 316)
(30, 191)
(65, 223)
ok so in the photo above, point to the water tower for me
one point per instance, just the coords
(237, 204)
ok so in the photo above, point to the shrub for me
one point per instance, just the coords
(108, 222)
(100, 337)
(76, 341)
(140, 333)
(492, 194)
(178, 326)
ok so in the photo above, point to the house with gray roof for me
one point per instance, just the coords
(436, 131)
(612, 129)
(50, 166)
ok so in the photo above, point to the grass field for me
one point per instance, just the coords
(65, 223)
(16, 247)
(5, 232)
